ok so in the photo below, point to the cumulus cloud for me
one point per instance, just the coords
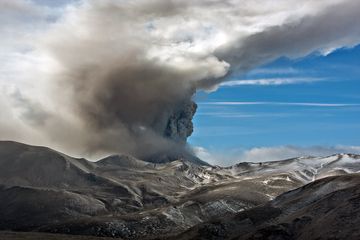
(263, 154)
(118, 76)
(204, 154)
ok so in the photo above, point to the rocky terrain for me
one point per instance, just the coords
(42, 190)
(45, 236)
(325, 209)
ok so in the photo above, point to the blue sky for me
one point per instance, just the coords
(273, 115)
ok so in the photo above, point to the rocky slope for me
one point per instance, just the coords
(325, 209)
(45, 236)
(120, 196)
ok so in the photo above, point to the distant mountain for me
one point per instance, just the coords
(121, 196)
(304, 169)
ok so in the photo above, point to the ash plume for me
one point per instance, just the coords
(119, 76)
(136, 102)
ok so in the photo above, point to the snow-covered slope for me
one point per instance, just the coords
(304, 169)
(325, 209)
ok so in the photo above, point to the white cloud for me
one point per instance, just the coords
(275, 71)
(204, 154)
(265, 154)
(225, 114)
(20, 22)
(300, 104)
(270, 81)
(261, 154)
(229, 114)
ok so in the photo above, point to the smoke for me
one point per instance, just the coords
(119, 76)
(323, 31)
(136, 101)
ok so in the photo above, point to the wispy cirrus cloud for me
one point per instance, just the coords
(270, 81)
(226, 114)
(300, 104)
(275, 71)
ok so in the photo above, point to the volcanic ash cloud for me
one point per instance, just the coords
(119, 76)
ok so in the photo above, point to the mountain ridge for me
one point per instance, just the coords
(121, 196)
